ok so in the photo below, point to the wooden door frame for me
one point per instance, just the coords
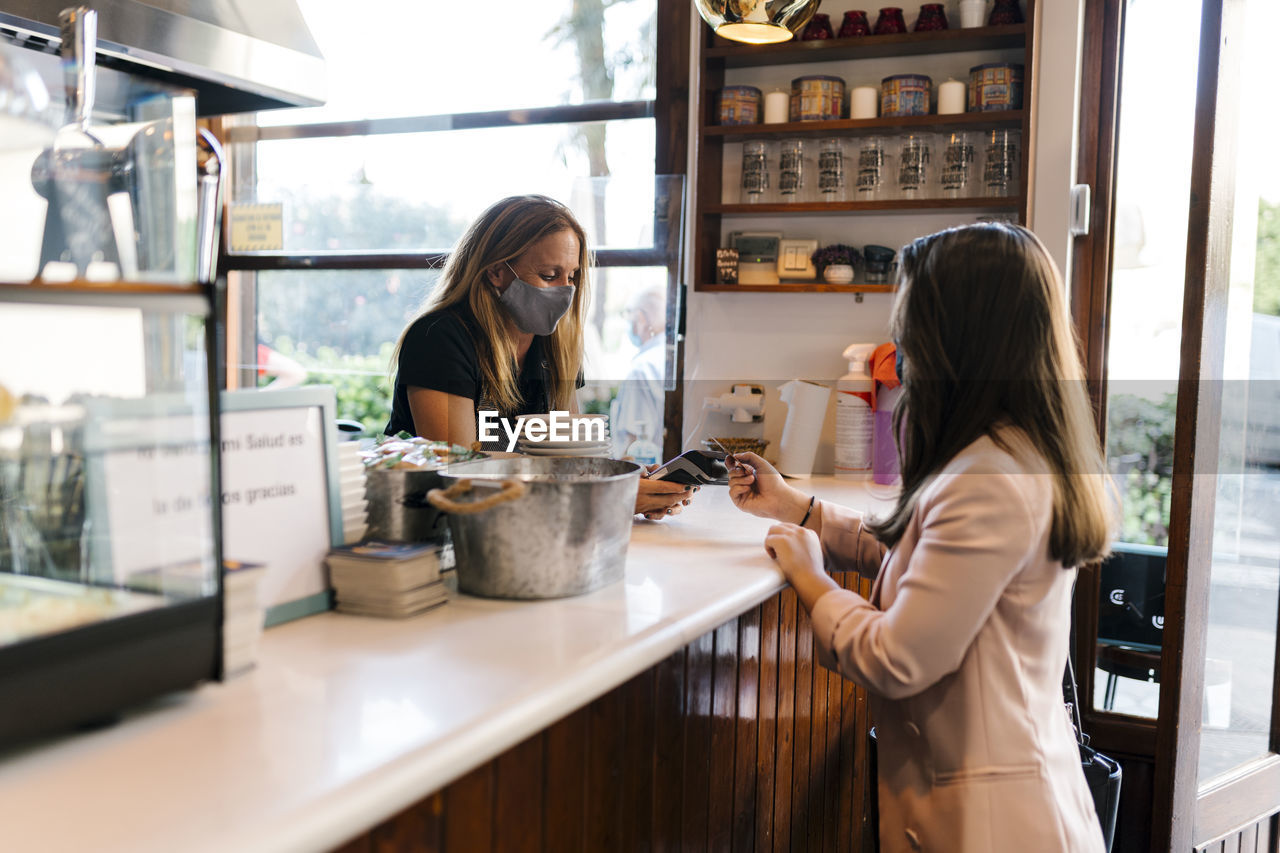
(1193, 818)
(1101, 77)
(1183, 816)
(671, 112)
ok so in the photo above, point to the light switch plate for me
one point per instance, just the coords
(795, 259)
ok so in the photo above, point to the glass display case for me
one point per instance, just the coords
(110, 591)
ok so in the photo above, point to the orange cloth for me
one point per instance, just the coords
(883, 359)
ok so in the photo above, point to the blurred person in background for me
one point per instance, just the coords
(637, 412)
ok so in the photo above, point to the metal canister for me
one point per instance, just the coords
(995, 86)
(739, 105)
(819, 97)
(539, 527)
(398, 508)
(905, 95)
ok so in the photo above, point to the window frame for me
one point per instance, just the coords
(668, 110)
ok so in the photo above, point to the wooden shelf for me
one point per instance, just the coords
(915, 205)
(796, 287)
(721, 62)
(865, 126)
(175, 297)
(735, 55)
(123, 288)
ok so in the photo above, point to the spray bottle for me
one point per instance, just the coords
(855, 419)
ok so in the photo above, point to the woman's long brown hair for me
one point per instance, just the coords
(981, 323)
(506, 230)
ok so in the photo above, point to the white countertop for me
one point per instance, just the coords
(348, 720)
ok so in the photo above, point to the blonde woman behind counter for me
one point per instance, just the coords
(503, 332)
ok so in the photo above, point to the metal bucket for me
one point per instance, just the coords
(398, 508)
(538, 527)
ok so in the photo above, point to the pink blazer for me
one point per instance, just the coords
(962, 648)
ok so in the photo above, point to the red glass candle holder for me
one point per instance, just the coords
(819, 27)
(1005, 12)
(932, 17)
(855, 24)
(890, 21)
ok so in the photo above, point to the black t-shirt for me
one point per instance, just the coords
(439, 352)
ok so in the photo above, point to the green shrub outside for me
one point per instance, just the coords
(1140, 442)
(359, 381)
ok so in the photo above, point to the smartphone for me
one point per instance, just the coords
(694, 468)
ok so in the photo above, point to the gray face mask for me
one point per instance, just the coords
(536, 310)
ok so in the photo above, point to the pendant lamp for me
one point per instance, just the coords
(757, 21)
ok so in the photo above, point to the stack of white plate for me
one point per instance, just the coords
(564, 448)
(355, 507)
(568, 447)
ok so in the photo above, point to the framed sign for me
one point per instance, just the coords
(281, 504)
(148, 470)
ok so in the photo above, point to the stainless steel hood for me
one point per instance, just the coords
(239, 55)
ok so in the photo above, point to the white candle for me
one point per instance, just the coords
(864, 102)
(777, 107)
(973, 13)
(953, 97)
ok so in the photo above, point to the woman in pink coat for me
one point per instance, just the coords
(963, 642)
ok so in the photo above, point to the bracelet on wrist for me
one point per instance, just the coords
(808, 511)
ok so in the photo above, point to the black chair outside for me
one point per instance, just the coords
(1131, 616)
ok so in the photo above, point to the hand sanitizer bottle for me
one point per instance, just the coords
(855, 420)
(643, 451)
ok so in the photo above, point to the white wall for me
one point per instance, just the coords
(769, 338)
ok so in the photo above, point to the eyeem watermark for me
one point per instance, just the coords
(558, 426)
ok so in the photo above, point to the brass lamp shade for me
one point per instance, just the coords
(757, 21)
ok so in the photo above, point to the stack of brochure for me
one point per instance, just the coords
(389, 579)
(242, 615)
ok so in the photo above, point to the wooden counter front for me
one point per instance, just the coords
(739, 741)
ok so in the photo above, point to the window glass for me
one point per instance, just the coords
(438, 58)
(419, 191)
(1153, 179)
(337, 327)
(1241, 636)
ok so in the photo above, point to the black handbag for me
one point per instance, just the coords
(1101, 772)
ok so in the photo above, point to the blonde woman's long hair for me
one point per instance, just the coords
(500, 235)
(982, 326)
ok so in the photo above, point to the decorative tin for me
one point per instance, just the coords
(905, 95)
(739, 105)
(817, 98)
(995, 86)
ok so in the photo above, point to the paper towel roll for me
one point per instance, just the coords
(777, 107)
(806, 410)
(864, 102)
(953, 97)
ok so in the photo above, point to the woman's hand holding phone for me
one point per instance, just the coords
(659, 499)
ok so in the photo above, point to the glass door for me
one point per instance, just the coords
(1178, 304)
(1237, 731)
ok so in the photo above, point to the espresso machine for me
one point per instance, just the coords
(104, 171)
